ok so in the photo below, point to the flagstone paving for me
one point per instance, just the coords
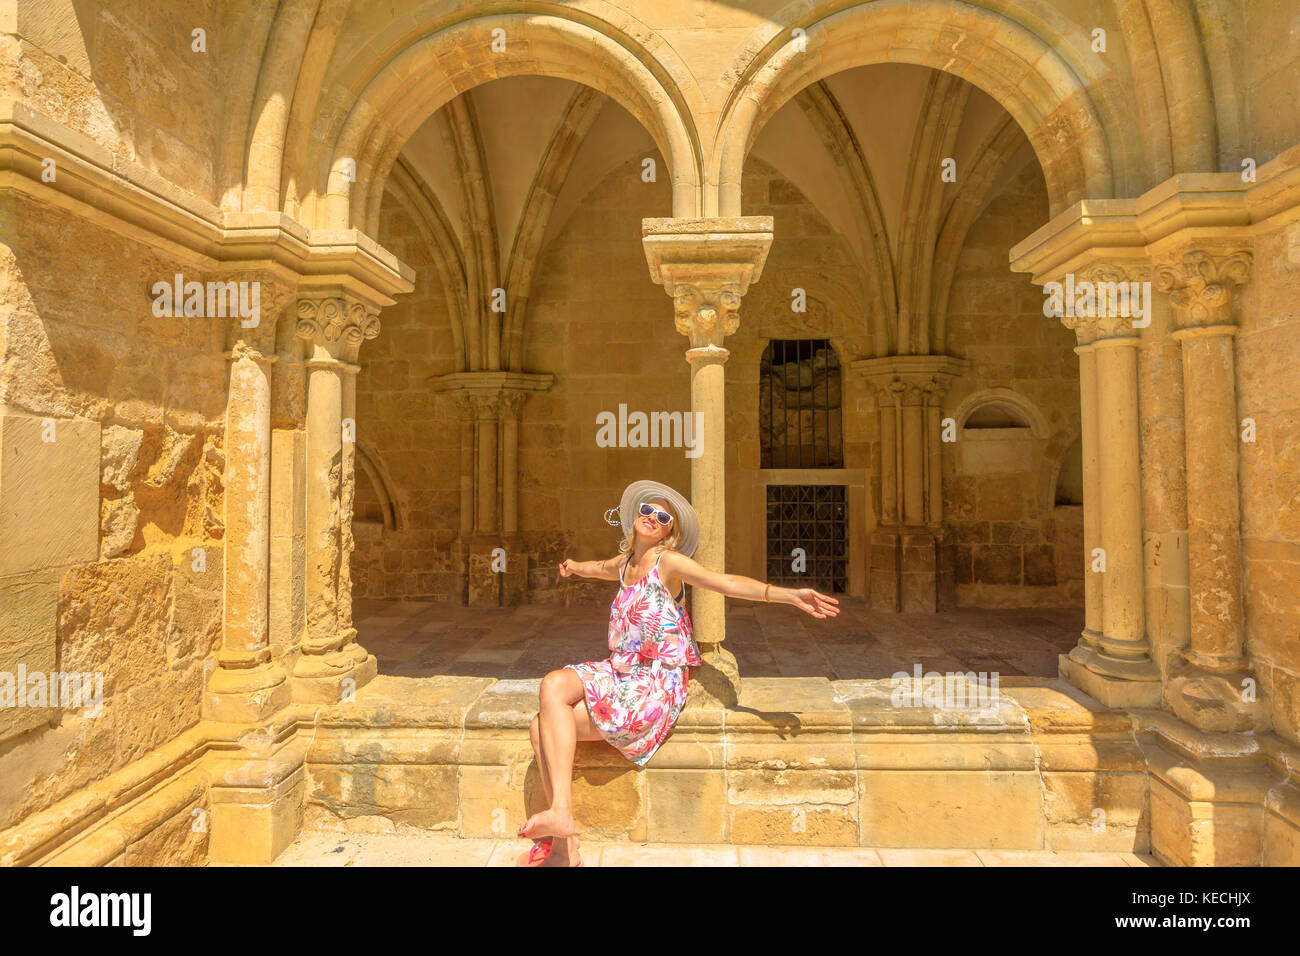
(320, 848)
(425, 638)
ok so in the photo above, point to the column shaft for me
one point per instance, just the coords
(324, 478)
(933, 462)
(888, 463)
(510, 468)
(913, 463)
(347, 494)
(1092, 496)
(1123, 619)
(487, 471)
(708, 484)
(1214, 519)
(248, 518)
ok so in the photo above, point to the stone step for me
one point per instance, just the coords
(800, 761)
(322, 848)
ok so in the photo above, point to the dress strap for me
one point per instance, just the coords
(656, 568)
(623, 568)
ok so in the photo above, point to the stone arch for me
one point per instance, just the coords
(368, 463)
(397, 81)
(1014, 65)
(1009, 399)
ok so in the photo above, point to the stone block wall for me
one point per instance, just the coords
(1268, 393)
(126, 76)
(111, 431)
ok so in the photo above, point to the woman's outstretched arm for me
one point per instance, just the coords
(606, 570)
(682, 568)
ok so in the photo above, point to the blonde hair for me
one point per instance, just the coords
(674, 536)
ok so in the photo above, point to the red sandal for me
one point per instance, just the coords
(541, 849)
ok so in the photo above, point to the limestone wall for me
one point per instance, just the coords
(1268, 392)
(126, 76)
(98, 569)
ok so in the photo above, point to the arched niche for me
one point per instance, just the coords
(1000, 432)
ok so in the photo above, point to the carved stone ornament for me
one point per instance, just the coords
(1200, 286)
(706, 316)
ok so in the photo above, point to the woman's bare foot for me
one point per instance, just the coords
(549, 822)
(565, 853)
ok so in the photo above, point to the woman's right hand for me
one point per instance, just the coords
(565, 570)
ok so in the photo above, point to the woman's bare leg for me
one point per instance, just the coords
(583, 730)
(558, 733)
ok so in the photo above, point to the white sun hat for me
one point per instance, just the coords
(688, 530)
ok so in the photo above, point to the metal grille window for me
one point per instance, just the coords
(801, 421)
(814, 518)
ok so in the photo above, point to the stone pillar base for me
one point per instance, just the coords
(246, 695)
(257, 805)
(330, 678)
(1212, 700)
(486, 587)
(717, 681)
(1081, 668)
(912, 570)
(1220, 810)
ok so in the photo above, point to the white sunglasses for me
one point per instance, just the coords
(663, 517)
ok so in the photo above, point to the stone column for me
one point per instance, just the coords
(485, 420)
(1090, 639)
(247, 685)
(511, 402)
(707, 265)
(347, 494)
(330, 663)
(1206, 690)
(913, 456)
(1118, 668)
(934, 454)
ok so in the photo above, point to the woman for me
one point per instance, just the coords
(632, 699)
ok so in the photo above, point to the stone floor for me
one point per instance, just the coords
(424, 639)
(317, 848)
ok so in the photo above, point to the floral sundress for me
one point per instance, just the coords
(636, 695)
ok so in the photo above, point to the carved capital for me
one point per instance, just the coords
(706, 316)
(1103, 300)
(1200, 286)
(337, 324)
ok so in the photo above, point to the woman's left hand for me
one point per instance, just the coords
(814, 602)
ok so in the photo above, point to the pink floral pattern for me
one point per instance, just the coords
(637, 694)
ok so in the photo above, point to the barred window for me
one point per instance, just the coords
(812, 518)
(801, 421)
